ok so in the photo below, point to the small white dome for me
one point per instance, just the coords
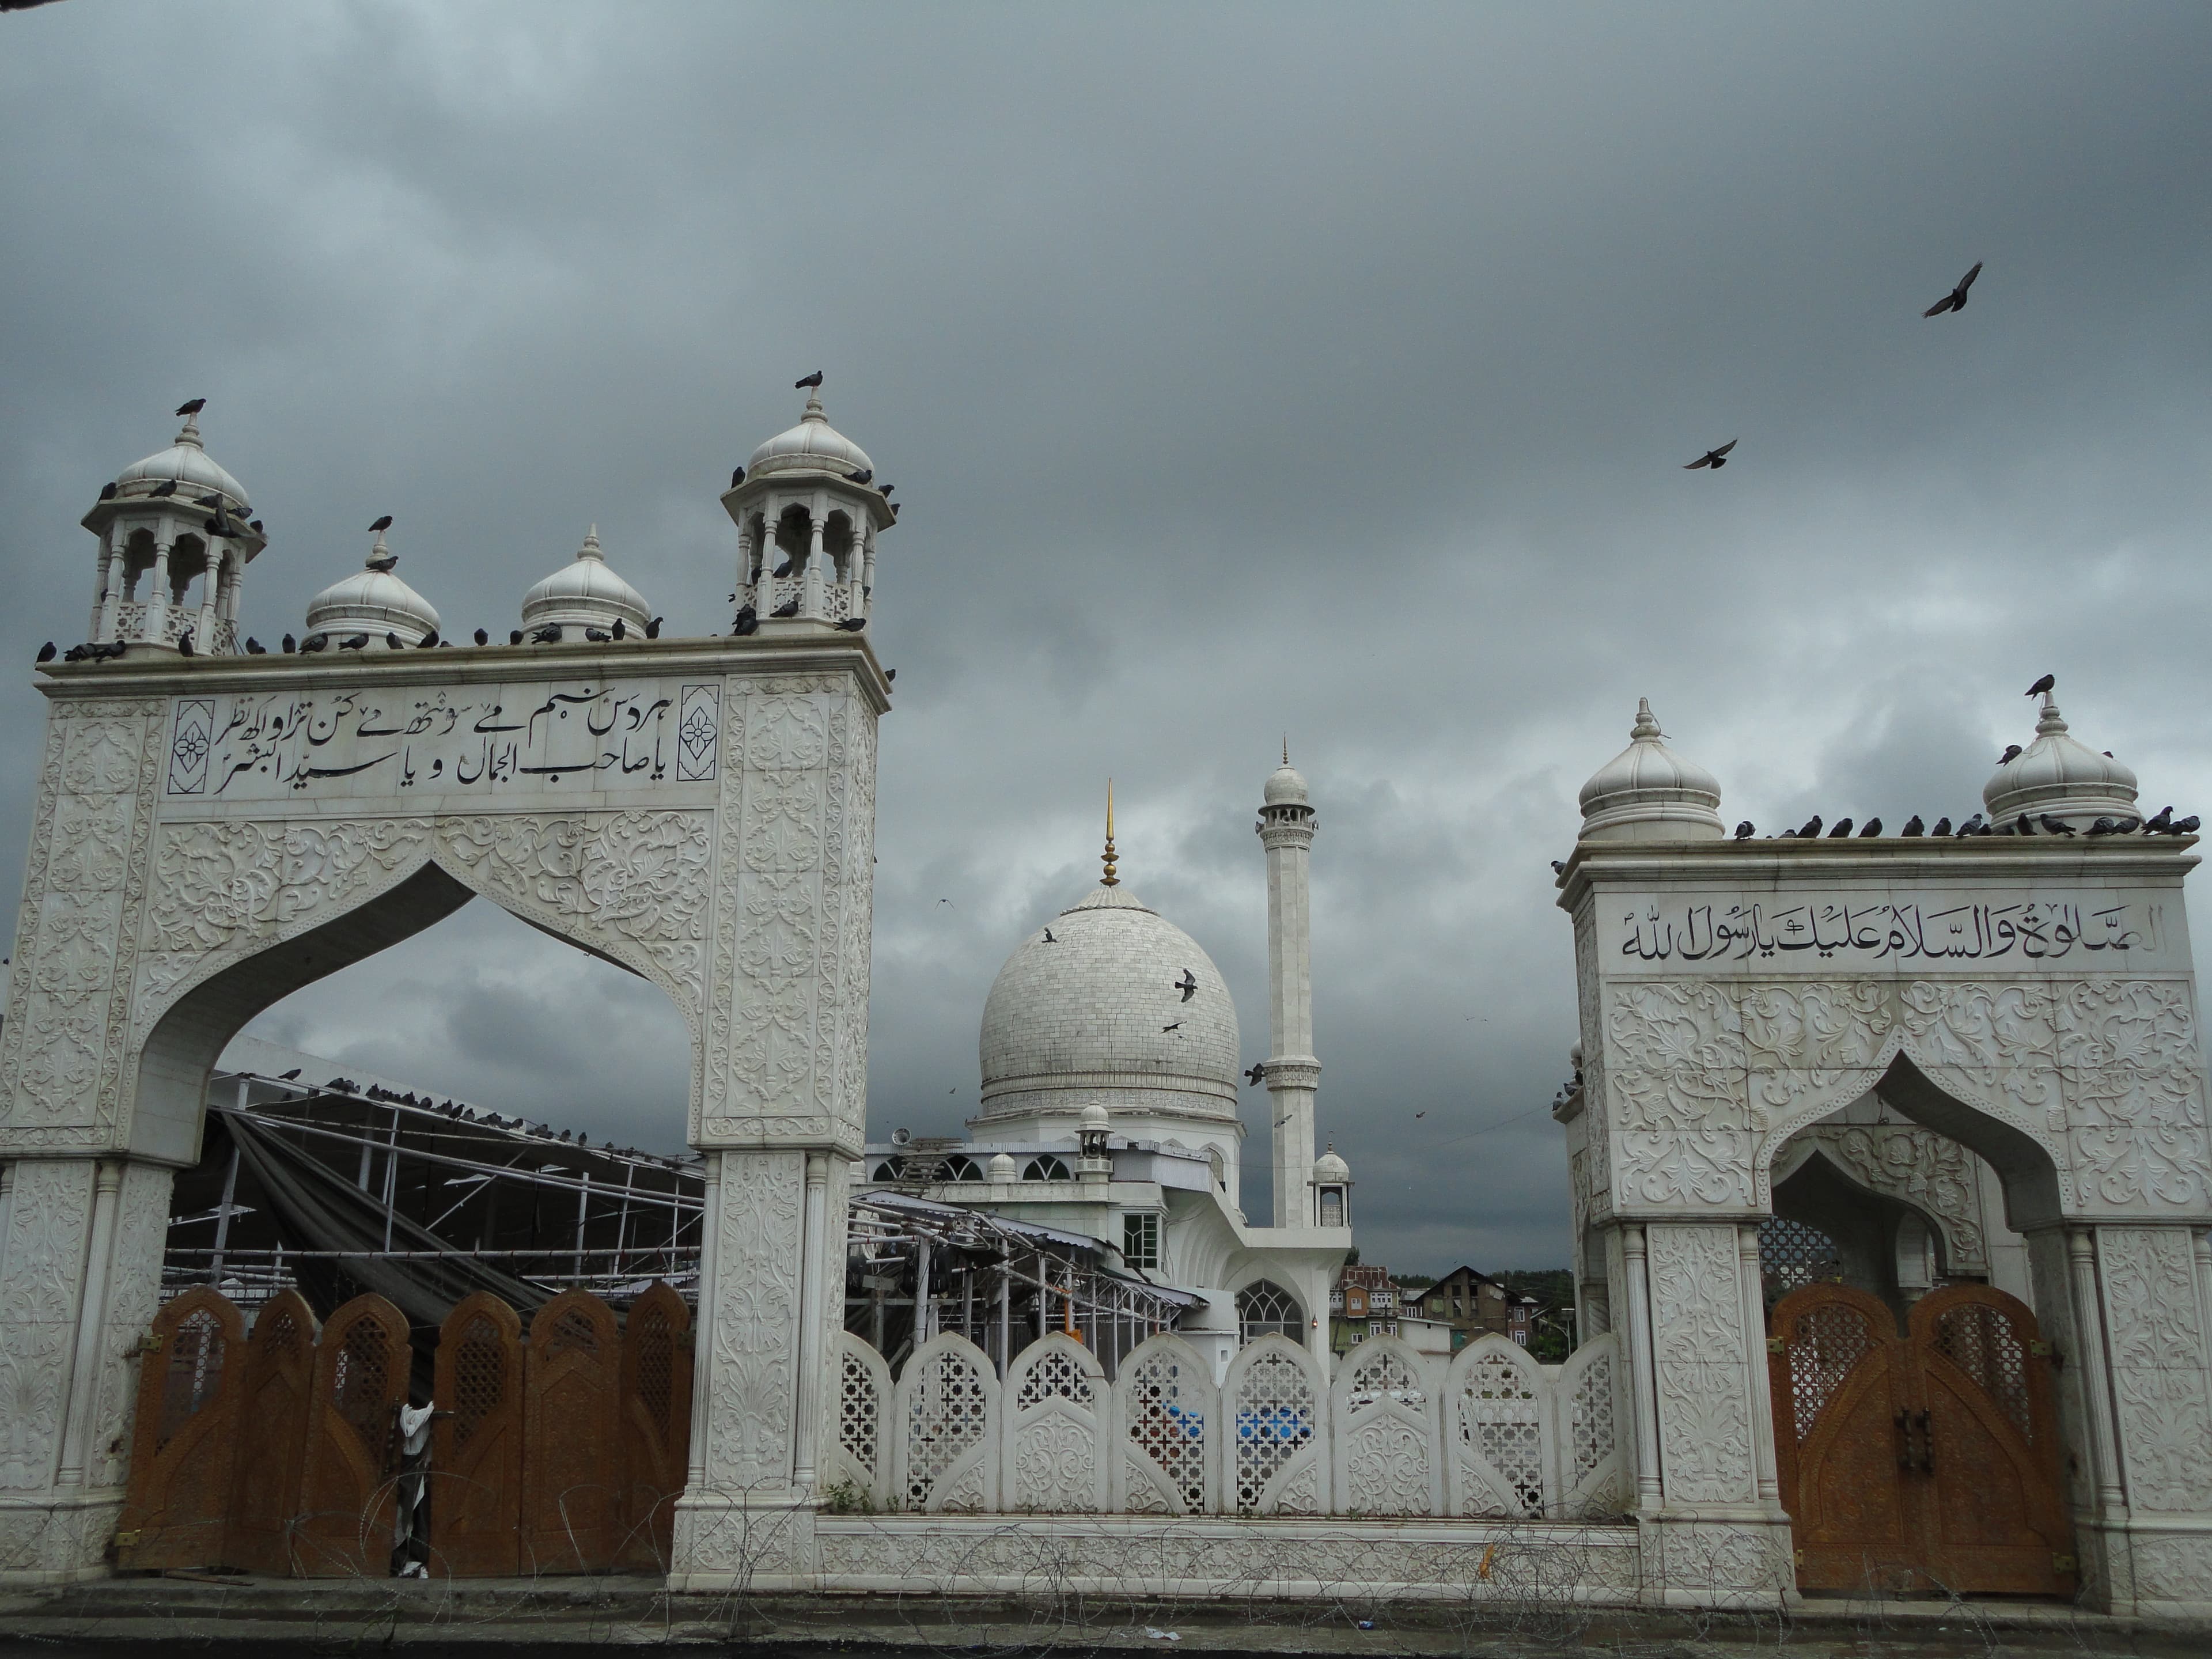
(185, 462)
(585, 593)
(1648, 793)
(1093, 1118)
(373, 602)
(1329, 1167)
(1287, 788)
(813, 444)
(2059, 774)
(1003, 1167)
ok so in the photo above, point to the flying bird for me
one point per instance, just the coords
(290, 645)
(2042, 685)
(482, 637)
(812, 382)
(191, 406)
(1176, 1027)
(254, 647)
(1421, 1113)
(1256, 1073)
(2010, 755)
(1187, 985)
(653, 629)
(1743, 831)
(1715, 458)
(1956, 299)
(380, 526)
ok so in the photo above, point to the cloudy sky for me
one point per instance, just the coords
(1244, 371)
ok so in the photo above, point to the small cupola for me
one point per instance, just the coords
(808, 508)
(164, 523)
(1648, 793)
(1332, 1182)
(373, 601)
(2062, 776)
(586, 597)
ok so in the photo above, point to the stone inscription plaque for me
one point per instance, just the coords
(605, 737)
(1878, 932)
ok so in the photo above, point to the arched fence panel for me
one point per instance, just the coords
(1055, 1409)
(1589, 1435)
(278, 1390)
(1168, 1424)
(947, 1456)
(1384, 1431)
(860, 1454)
(656, 1425)
(1496, 1413)
(572, 1384)
(1275, 1461)
(475, 1458)
(346, 1491)
(185, 1442)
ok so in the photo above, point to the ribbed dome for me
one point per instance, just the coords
(1079, 1020)
(373, 602)
(813, 444)
(585, 593)
(1287, 788)
(1648, 793)
(1329, 1167)
(183, 462)
(2059, 774)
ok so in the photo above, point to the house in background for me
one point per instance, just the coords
(1469, 1303)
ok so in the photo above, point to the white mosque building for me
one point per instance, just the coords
(1109, 1049)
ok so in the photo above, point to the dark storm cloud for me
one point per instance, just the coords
(1262, 369)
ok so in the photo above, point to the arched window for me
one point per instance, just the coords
(886, 1170)
(963, 1169)
(1046, 1168)
(1266, 1309)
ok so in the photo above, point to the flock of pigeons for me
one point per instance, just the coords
(1714, 459)
(459, 1112)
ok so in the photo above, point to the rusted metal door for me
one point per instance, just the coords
(572, 1381)
(476, 1461)
(279, 1379)
(184, 1446)
(346, 1493)
(1927, 1462)
(656, 1423)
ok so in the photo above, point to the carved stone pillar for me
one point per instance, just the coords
(809, 603)
(157, 593)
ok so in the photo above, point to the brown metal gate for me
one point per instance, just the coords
(1929, 1461)
(183, 1449)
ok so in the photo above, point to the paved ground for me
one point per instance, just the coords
(291, 1618)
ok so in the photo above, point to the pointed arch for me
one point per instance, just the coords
(1384, 1430)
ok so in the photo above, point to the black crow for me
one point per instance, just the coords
(380, 526)
(191, 406)
(812, 381)
(1715, 458)
(2043, 685)
(1956, 299)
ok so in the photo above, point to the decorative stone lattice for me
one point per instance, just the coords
(947, 1413)
(1981, 1341)
(1792, 1255)
(1385, 1375)
(1274, 1422)
(1056, 1375)
(1591, 1433)
(1832, 1340)
(857, 1411)
(1166, 1422)
(1500, 1425)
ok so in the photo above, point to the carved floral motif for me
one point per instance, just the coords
(753, 1330)
(1698, 1343)
(2156, 1333)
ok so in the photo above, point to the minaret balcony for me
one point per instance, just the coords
(176, 621)
(836, 598)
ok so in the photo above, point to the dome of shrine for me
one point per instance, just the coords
(586, 593)
(2062, 776)
(1286, 786)
(185, 463)
(1648, 793)
(813, 444)
(373, 602)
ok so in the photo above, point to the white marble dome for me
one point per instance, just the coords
(1286, 786)
(185, 464)
(1329, 1167)
(1080, 1021)
(2062, 776)
(586, 593)
(813, 444)
(373, 602)
(1648, 793)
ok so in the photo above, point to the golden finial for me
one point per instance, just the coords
(1109, 879)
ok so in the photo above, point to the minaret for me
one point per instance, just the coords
(1286, 830)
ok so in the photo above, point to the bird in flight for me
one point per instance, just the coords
(812, 381)
(1256, 1073)
(1188, 984)
(380, 526)
(2043, 685)
(1715, 458)
(1176, 1026)
(1420, 1114)
(192, 406)
(1956, 299)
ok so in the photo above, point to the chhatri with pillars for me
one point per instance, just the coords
(1888, 1153)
